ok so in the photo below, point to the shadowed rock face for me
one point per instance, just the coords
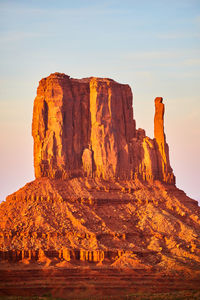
(101, 196)
(86, 128)
(61, 125)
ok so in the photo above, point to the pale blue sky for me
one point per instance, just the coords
(152, 45)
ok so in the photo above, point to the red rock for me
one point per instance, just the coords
(84, 133)
(165, 172)
(86, 128)
(61, 125)
(112, 127)
(71, 116)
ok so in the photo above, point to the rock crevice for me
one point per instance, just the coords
(104, 194)
(86, 127)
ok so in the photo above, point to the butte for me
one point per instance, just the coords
(104, 197)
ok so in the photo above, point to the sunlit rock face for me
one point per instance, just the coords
(61, 125)
(112, 127)
(164, 168)
(86, 128)
(101, 193)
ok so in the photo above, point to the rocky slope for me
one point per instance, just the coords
(104, 192)
(131, 223)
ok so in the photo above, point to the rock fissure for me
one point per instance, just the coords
(104, 192)
(107, 130)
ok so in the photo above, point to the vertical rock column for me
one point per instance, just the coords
(61, 126)
(164, 169)
(103, 136)
(112, 127)
(47, 127)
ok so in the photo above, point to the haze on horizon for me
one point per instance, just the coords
(154, 46)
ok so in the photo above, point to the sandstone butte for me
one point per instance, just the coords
(104, 194)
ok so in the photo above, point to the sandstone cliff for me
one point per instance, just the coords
(104, 192)
(164, 169)
(86, 128)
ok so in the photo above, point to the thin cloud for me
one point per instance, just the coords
(186, 61)
(186, 56)
(197, 20)
(18, 36)
(178, 35)
(192, 62)
(151, 55)
(10, 8)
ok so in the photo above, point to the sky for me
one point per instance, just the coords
(152, 45)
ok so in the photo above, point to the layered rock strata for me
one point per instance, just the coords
(124, 224)
(101, 194)
(86, 128)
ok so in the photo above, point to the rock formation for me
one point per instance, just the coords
(104, 192)
(86, 128)
(164, 169)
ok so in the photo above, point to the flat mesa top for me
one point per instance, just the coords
(85, 127)
(104, 192)
(64, 76)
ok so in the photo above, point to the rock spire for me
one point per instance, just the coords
(104, 196)
(164, 168)
(86, 128)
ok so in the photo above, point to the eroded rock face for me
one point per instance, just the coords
(112, 127)
(164, 168)
(124, 223)
(61, 126)
(84, 131)
(86, 128)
